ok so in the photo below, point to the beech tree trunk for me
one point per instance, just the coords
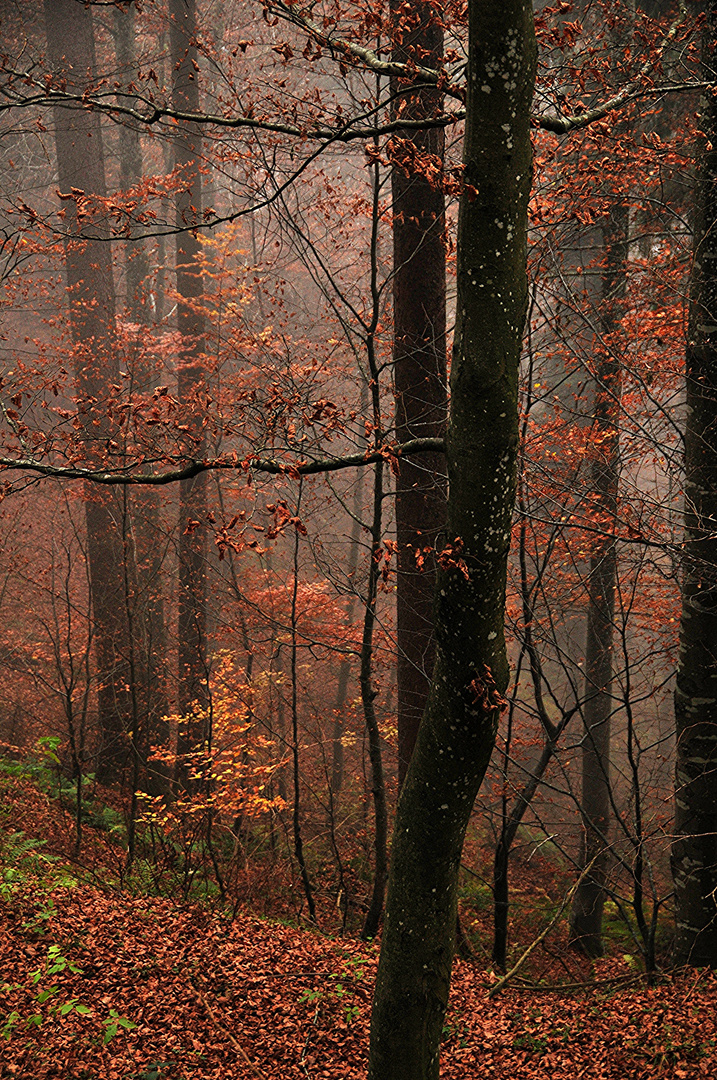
(588, 901)
(147, 539)
(88, 260)
(471, 671)
(419, 369)
(191, 380)
(694, 852)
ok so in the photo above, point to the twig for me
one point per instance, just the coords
(541, 937)
(592, 984)
(302, 1059)
(694, 984)
(237, 1046)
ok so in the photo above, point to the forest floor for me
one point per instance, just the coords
(99, 984)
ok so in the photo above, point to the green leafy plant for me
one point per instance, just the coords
(42, 765)
(310, 996)
(57, 964)
(454, 1029)
(24, 866)
(353, 969)
(155, 1071)
(112, 1025)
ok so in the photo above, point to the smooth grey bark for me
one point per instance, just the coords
(694, 852)
(145, 537)
(471, 671)
(589, 898)
(88, 261)
(130, 165)
(191, 378)
(419, 363)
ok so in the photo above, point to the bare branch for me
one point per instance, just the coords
(233, 463)
(346, 130)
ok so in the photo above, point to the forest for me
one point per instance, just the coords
(358, 533)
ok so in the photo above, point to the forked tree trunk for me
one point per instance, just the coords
(191, 380)
(88, 259)
(471, 672)
(694, 852)
(419, 355)
(587, 907)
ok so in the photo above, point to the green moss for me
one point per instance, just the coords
(474, 892)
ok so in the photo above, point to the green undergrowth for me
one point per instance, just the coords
(175, 865)
(43, 768)
(28, 871)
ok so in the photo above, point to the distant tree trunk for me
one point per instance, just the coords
(589, 898)
(130, 165)
(191, 379)
(419, 354)
(145, 505)
(471, 671)
(88, 258)
(694, 852)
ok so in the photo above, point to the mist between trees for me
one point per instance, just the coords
(244, 251)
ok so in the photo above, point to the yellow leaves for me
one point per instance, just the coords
(232, 775)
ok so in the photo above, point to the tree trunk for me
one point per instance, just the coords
(191, 381)
(419, 354)
(366, 679)
(145, 505)
(589, 898)
(694, 852)
(471, 672)
(88, 258)
(368, 696)
(342, 690)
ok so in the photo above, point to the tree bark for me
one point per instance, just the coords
(694, 852)
(471, 672)
(88, 260)
(191, 380)
(342, 690)
(145, 506)
(419, 355)
(373, 734)
(589, 898)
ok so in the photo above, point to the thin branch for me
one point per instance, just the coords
(497, 987)
(632, 90)
(352, 51)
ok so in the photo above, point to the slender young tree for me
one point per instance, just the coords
(694, 852)
(471, 670)
(342, 687)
